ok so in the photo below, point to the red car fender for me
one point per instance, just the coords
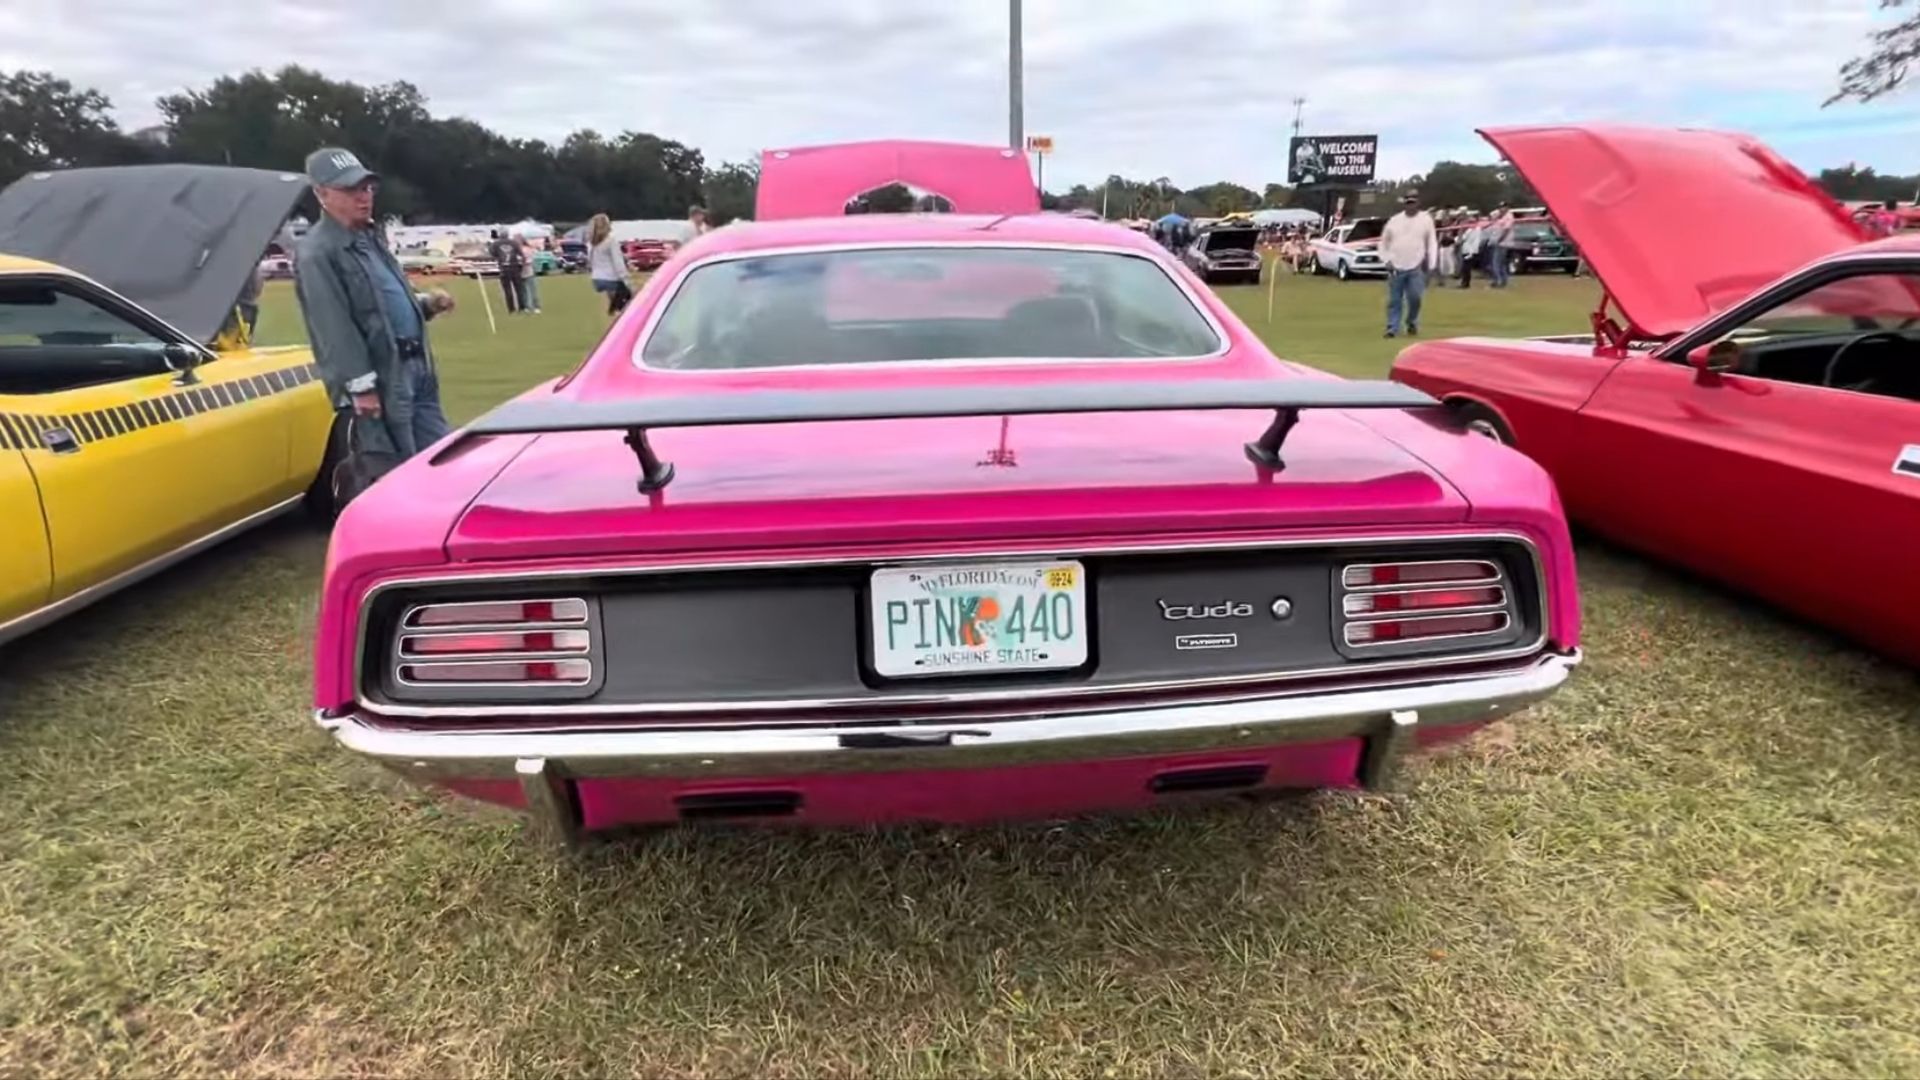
(1536, 388)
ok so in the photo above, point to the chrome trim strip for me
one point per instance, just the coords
(705, 753)
(401, 667)
(958, 698)
(558, 652)
(407, 623)
(1493, 575)
(1418, 613)
(659, 308)
(1347, 631)
(34, 620)
(1346, 602)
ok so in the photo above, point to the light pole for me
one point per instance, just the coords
(1016, 101)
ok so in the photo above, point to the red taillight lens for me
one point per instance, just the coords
(1424, 628)
(1423, 600)
(547, 642)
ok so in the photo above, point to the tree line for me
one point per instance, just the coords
(451, 169)
(432, 169)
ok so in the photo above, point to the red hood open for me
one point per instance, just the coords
(1678, 224)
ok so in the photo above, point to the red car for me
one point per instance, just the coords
(1748, 405)
(934, 516)
(648, 254)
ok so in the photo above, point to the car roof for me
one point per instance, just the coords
(16, 264)
(915, 229)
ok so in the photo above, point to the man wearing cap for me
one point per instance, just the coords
(367, 325)
(1410, 247)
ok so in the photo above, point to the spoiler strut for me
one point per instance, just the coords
(637, 416)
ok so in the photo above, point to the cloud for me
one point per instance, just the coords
(1139, 87)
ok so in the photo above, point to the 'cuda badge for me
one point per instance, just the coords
(1225, 609)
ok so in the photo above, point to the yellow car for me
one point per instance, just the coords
(138, 425)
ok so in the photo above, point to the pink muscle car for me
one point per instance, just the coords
(1753, 410)
(935, 517)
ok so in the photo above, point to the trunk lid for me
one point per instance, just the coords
(966, 478)
(1678, 225)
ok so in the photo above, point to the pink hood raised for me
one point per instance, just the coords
(817, 181)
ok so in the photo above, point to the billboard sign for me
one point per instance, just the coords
(1331, 159)
(1039, 144)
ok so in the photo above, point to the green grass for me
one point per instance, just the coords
(1703, 857)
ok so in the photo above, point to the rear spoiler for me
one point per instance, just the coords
(637, 416)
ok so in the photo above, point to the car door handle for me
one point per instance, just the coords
(60, 440)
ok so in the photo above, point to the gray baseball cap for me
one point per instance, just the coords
(330, 166)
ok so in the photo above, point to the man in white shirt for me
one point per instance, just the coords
(1409, 245)
(1497, 240)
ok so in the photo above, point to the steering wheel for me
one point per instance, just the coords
(1839, 354)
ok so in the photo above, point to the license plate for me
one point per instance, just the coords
(979, 619)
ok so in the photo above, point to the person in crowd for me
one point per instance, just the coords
(1295, 249)
(697, 226)
(1443, 268)
(529, 278)
(1885, 222)
(506, 260)
(1467, 249)
(1496, 242)
(1409, 246)
(607, 265)
(367, 326)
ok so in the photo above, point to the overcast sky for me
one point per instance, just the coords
(1130, 86)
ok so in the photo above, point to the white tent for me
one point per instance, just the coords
(675, 229)
(1294, 215)
(530, 229)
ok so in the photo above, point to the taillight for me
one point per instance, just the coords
(496, 643)
(1454, 571)
(1434, 600)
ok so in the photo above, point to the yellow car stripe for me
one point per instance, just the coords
(25, 431)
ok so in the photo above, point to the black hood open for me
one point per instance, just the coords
(179, 240)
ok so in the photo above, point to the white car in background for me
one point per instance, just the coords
(1351, 249)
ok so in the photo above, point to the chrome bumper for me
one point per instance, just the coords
(543, 761)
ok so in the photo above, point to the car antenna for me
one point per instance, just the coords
(991, 225)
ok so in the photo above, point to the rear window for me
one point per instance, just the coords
(897, 305)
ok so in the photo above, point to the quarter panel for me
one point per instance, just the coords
(26, 566)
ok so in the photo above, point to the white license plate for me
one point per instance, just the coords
(979, 618)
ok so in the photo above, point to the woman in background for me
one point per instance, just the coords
(529, 278)
(607, 265)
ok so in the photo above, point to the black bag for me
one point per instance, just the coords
(359, 466)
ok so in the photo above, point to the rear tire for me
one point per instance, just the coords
(319, 499)
(1477, 419)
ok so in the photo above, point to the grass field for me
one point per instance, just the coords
(1703, 857)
